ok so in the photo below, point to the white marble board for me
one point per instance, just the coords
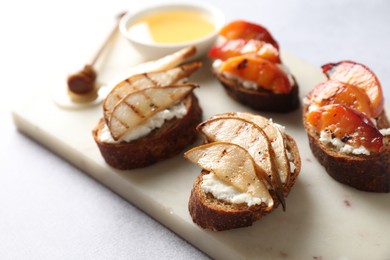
(324, 219)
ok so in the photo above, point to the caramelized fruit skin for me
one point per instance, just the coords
(360, 76)
(240, 29)
(350, 126)
(336, 92)
(237, 47)
(264, 73)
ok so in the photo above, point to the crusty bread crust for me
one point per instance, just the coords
(363, 172)
(218, 215)
(292, 148)
(367, 173)
(261, 99)
(160, 144)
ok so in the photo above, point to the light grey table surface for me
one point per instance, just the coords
(50, 209)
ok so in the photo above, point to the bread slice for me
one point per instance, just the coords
(260, 99)
(218, 215)
(363, 172)
(162, 143)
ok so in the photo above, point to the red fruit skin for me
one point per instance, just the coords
(241, 29)
(237, 47)
(360, 76)
(349, 125)
(336, 92)
(264, 73)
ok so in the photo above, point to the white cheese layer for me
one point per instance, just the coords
(291, 161)
(225, 192)
(177, 111)
(326, 138)
(385, 131)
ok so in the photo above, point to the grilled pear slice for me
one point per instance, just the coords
(146, 80)
(233, 165)
(139, 106)
(169, 61)
(251, 137)
(166, 62)
(277, 141)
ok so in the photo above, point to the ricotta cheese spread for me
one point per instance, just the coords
(228, 193)
(290, 159)
(177, 111)
(385, 131)
(326, 138)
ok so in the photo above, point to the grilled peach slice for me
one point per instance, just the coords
(264, 73)
(240, 29)
(350, 126)
(359, 75)
(336, 92)
(237, 47)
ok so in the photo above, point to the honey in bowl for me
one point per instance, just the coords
(172, 26)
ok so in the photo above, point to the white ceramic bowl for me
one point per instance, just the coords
(152, 50)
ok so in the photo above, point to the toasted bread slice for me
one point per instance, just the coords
(363, 172)
(211, 213)
(259, 99)
(161, 143)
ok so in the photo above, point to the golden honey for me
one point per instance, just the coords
(172, 26)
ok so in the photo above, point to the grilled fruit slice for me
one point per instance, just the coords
(336, 92)
(167, 62)
(262, 72)
(210, 206)
(146, 80)
(240, 29)
(350, 126)
(232, 48)
(162, 143)
(276, 139)
(358, 75)
(137, 107)
(233, 165)
(251, 137)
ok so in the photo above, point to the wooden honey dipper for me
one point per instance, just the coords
(82, 85)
